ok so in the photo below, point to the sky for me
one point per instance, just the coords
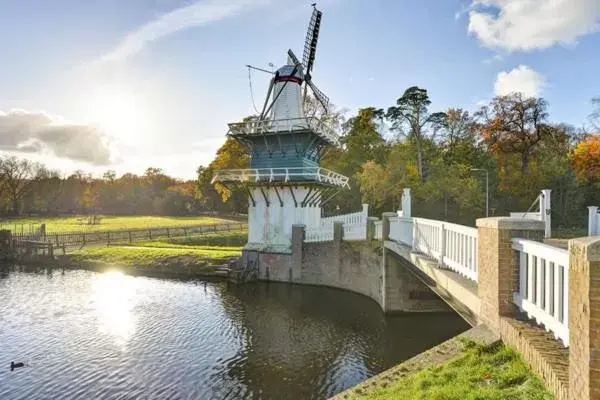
(101, 85)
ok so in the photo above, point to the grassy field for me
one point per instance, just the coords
(199, 258)
(232, 238)
(496, 373)
(109, 223)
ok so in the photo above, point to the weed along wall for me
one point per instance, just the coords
(357, 266)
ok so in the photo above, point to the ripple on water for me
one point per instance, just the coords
(86, 335)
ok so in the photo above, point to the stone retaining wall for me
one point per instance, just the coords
(357, 266)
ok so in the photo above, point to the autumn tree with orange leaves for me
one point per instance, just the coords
(585, 160)
(514, 124)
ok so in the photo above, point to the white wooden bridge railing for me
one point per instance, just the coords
(317, 235)
(355, 232)
(544, 285)
(454, 246)
(356, 218)
(354, 227)
(401, 230)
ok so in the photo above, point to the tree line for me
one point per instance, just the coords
(28, 187)
(444, 155)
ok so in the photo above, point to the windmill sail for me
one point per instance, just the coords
(310, 44)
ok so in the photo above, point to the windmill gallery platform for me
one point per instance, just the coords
(542, 300)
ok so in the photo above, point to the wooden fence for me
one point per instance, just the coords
(84, 238)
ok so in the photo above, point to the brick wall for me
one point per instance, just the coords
(498, 274)
(357, 266)
(584, 318)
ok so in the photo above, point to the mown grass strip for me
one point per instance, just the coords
(155, 257)
(217, 239)
(491, 373)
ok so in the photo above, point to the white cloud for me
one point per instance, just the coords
(40, 133)
(521, 79)
(195, 14)
(525, 25)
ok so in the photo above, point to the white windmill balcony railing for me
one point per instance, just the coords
(256, 127)
(264, 175)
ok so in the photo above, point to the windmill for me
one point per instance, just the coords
(285, 99)
(286, 184)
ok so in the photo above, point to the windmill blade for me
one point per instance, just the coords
(294, 59)
(264, 109)
(323, 99)
(312, 37)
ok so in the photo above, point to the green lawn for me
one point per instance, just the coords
(176, 259)
(109, 223)
(569, 233)
(230, 238)
(496, 373)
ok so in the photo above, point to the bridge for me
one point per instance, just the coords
(540, 299)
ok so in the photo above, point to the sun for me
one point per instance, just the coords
(117, 112)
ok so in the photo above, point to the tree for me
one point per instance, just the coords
(595, 115)
(585, 160)
(459, 137)
(514, 124)
(411, 116)
(231, 155)
(157, 182)
(46, 194)
(361, 142)
(19, 177)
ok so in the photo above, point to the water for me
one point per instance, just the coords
(86, 335)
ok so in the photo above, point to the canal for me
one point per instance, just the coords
(88, 335)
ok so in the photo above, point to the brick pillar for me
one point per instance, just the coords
(297, 247)
(584, 318)
(498, 275)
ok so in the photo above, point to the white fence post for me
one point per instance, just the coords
(593, 221)
(545, 211)
(406, 203)
(442, 240)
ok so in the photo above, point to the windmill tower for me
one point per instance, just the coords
(285, 183)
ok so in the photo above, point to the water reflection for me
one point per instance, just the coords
(115, 336)
(311, 342)
(113, 297)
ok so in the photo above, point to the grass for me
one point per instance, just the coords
(226, 239)
(492, 373)
(569, 233)
(175, 259)
(109, 223)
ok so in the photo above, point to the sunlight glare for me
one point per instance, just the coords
(117, 112)
(112, 296)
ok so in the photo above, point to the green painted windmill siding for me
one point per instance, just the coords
(297, 150)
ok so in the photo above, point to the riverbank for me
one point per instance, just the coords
(473, 365)
(154, 259)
